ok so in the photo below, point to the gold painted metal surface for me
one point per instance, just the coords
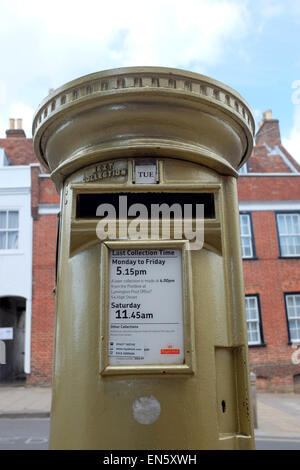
(199, 133)
(145, 111)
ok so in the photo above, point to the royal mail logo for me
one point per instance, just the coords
(170, 350)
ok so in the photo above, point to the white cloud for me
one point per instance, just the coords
(45, 45)
(19, 111)
(69, 38)
(257, 113)
(272, 8)
(3, 128)
(292, 141)
(2, 92)
(277, 8)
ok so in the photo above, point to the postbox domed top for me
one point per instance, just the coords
(142, 111)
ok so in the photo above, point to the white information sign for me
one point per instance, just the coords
(6, 333)
(145, 307)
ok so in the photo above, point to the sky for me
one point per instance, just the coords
(251, 45)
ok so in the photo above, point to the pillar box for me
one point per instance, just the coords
(151, 342)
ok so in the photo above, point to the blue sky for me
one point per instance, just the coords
(253, 46)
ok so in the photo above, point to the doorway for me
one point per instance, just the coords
(297, 383)
(12, 326)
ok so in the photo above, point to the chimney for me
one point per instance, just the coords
(13, 132)
(268, 132)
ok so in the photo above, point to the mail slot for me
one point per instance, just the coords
(87, 204)
(150, 342)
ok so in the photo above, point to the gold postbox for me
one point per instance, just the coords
(151, 343)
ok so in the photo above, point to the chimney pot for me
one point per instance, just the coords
(267, 115)
(268, 132)
(15, 132)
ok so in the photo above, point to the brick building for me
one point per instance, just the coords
(28, 218)
(269, 199)
(269, 202)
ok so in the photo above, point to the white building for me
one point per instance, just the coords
(16, 225)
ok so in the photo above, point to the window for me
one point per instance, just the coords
(289, 234)
(9, 230)
(244, 169)
(292, 302)
(246, 236)
(253, 320)
(3, 158)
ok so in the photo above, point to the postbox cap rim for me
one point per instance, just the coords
(119, 71)
(126, 87)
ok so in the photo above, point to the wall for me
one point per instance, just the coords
(16, 265)
(271, 276)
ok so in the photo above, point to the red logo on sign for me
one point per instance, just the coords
(170, 351)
